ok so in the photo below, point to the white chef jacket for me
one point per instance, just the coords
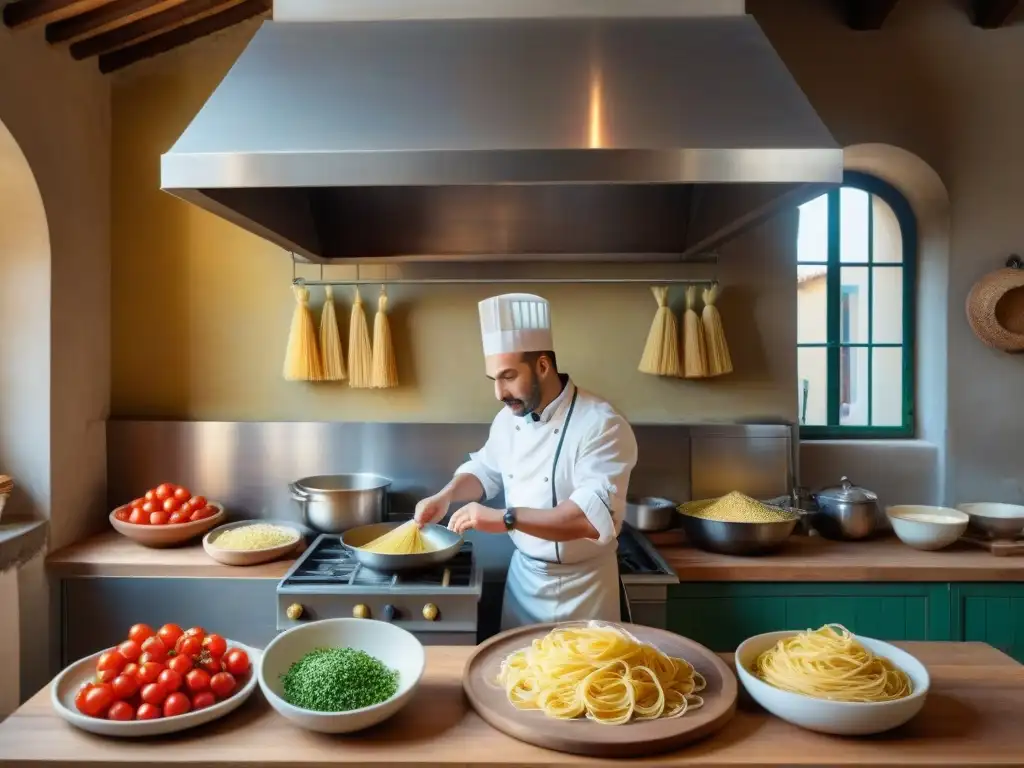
(596, 453)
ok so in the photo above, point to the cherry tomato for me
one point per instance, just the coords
(197, 502)
(148, 712)
(189, 645)
(80, 696)
(138, 517)
(97, 699)
(149, 671)
(131, 669)
(179, 517)
(202, 514)
(152, 506)
(121, 710)
(182, 494)
(203, 699)
(153, 659)
(236, 662)
(164, 491)
(170, 680)
(222, 684)
(170, 633)
(215, 644)
(158, 518)
(123, 514)
(124, 687)
(180, 664)
(154, 646)
(176, 704)
(130, 650)
(198, 680)
(106, 675)
(196, 632)
(171, 505)
(212, 664)
(154, 693)
(140, 632)
(150, 495)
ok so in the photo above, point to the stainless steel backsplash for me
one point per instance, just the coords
(247, 465)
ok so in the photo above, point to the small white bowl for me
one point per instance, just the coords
(395, 647)
(243, 557)
(1000, 521)
(67, 684)
(841, 718)
(925, 527)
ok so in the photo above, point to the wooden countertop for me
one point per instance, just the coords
(812, 558)
(804, 558)
(970, 718)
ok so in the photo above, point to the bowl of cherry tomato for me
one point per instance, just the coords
(166, 515)
(156, 682)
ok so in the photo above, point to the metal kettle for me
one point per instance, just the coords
(845, 512)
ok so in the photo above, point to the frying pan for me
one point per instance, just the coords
(445, 543)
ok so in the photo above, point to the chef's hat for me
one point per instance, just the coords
(515, 322)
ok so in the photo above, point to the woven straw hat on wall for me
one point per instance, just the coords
(995, 307)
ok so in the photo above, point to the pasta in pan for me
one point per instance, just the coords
(405, 539)
(829, 663)
(600, 672)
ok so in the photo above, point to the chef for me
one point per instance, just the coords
(563, 458)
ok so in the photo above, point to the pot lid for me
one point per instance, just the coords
(847, 491)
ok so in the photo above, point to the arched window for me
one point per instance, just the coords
(856, 249)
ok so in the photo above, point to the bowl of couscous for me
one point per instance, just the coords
(250, 542)
(736, 524)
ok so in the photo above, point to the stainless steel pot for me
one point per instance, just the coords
(845, 512)
(336, 503)
(651, 513)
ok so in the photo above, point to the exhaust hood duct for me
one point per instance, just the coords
(496, 139)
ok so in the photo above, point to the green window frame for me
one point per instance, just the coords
(837, 348)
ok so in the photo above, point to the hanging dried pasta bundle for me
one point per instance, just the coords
(302, 355)
(695, 361)
(719, 359)
(360, 356)
(661, 352)
(384, 373)
(330, 340)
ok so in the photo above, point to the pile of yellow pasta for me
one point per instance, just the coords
(736, 508)
(601, 672)
(829, 663)
(406, 539)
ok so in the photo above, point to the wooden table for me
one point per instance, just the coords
(972, 717)
(804, 558)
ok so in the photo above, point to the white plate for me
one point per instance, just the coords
(65, 686)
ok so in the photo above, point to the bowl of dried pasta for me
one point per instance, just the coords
(736, 524)
(250, 542)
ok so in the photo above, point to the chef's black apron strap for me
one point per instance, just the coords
(554, 464)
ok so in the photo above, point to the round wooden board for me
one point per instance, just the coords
(585, 737)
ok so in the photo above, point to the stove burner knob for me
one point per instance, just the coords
(361, 612)
(294, 612)
(429, 611)
(388, 614)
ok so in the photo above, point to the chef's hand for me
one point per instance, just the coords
(477, 517)
(431, 509)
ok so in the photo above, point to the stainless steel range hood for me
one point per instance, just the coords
(483, 138)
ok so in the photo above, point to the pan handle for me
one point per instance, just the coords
(297, 493)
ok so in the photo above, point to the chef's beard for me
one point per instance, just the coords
(523, 407)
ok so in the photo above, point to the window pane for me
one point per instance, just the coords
(853, 224)
(853, 306)
(887, 387)
(887, 305)
(811, 304)
(812, 384)
(853, 386)
(812, 231)
(887, 240)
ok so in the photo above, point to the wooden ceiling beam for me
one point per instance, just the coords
(143, 29)
(868, 14)
(236, 13)
(991, 14)
(105, 18)
(23, 13)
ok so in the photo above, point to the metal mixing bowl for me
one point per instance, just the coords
(998, 521)
(651, 513)
(737, 538)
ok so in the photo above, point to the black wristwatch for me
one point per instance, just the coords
(509, 519)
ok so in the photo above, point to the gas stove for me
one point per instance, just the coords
(439, 605)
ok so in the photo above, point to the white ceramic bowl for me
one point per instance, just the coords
(1000, 521)
(67, 683)
(167, 535)
(392, 645)
(243, 557)
(841, 718)
(925, 527)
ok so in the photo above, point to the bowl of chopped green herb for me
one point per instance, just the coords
(341, 675)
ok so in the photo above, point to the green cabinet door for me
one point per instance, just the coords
(721, 615)
(990, 613)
